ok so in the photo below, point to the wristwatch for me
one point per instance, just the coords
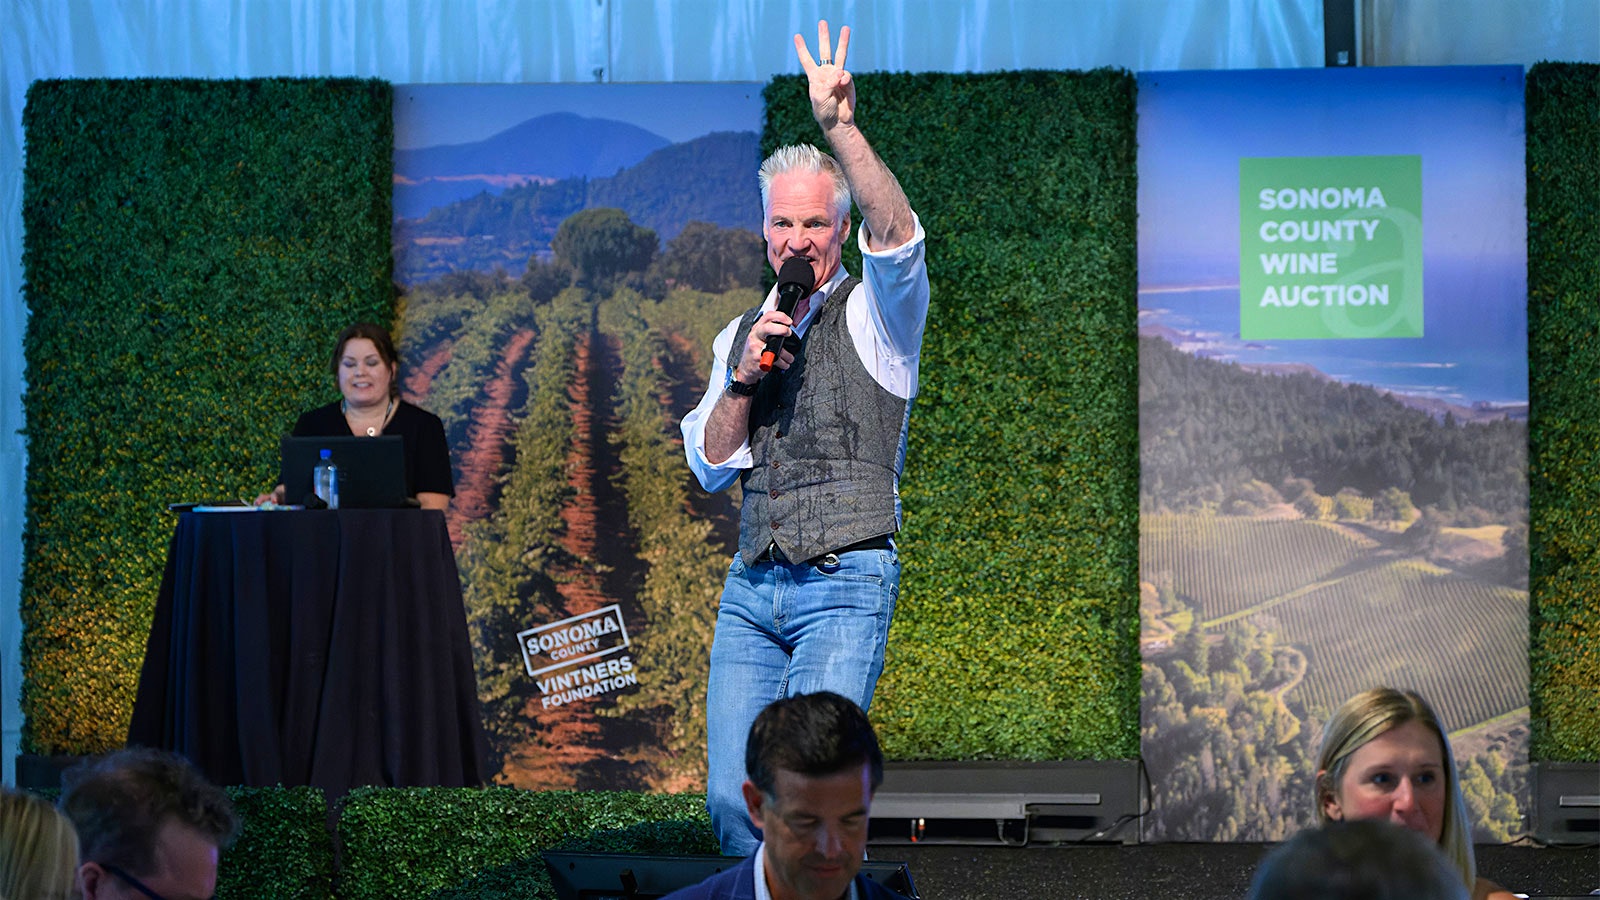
(735, 386)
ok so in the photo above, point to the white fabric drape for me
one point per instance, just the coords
(520, 41)
(1452, 33)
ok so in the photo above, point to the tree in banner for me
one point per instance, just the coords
(602, 245)
(704, 257)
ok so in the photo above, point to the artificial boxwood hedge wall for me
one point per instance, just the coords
(1563, 158)
(283, 849)
(411, 842)
(1016, 634)
(455, 843)
(191, 249)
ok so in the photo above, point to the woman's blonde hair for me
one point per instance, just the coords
(38, 849)
(1371, 713)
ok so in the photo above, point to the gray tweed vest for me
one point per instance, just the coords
(829, 444)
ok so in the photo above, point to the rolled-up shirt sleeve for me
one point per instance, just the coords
(713, 476)
(888, 314)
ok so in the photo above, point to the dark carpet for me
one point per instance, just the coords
(1189, 871)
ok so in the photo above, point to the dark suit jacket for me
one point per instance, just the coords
(739, 883)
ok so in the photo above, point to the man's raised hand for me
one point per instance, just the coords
(833, 91)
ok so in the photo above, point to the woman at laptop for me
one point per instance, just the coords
(366, 367)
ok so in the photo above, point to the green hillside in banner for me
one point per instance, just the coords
(1354, 606)
(1304, 540)
(1219, 558)
(1255, 630)
(1456, 639)
(1210, 428)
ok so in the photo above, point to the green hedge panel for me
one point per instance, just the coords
(283, 851)
(191, 249)
(412, 842)
(1017, 629)
(1563, 159)
(529, 878)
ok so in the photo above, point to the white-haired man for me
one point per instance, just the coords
(818, 442)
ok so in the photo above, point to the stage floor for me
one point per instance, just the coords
(1187, 871)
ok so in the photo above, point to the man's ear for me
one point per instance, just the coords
(754, 801)
(90, 878)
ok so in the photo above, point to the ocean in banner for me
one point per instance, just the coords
(1461, 361)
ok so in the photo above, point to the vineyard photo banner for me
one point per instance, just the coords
(1333, 428)
(560, 326)
(565, 253)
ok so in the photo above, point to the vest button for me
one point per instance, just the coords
(774, 526)
(774, 494)
(775, 465)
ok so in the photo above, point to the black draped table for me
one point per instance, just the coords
(322, 647)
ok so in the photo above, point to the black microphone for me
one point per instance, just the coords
(795, 280)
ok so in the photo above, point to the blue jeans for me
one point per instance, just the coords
(786, 629)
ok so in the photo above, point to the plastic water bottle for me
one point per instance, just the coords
(325, 480)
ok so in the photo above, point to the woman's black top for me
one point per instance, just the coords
(422, 433)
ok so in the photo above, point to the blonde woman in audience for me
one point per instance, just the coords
(1385, 756)
(38, 849)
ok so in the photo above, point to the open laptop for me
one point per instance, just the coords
(372, 470)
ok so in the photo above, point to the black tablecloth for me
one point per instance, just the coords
(325, 647)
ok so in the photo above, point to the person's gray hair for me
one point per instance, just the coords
(1369, 859)
(119, 803)
(806, 159)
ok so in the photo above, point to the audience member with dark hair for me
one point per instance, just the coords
(38, 849)
(149, 825)
(366, 368)
(1363, 859)
(1385, 756)
(812, 764)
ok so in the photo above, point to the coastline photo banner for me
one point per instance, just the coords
(1333, 427)
(564, 255)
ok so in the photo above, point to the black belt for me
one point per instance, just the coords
(774, 554)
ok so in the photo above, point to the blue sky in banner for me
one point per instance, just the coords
(433, 115)
(1466, 123)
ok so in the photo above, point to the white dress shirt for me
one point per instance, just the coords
(885, 316)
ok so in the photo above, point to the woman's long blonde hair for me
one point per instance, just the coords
(1371, 713)
(38, 849)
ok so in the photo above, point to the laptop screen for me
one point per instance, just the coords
(372, 470)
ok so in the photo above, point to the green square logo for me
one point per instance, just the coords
(1330, 247)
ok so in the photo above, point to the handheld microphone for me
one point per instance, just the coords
(795, 280)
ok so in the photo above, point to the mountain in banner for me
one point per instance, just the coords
(708, 179)
(543, 149)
